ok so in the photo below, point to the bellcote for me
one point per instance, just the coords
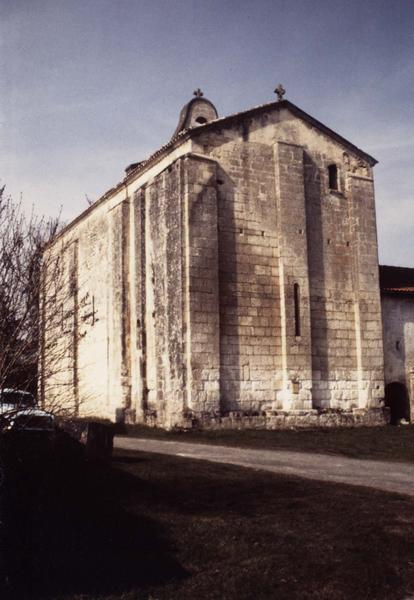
(196, 112)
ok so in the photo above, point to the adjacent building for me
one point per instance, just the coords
(397, 300)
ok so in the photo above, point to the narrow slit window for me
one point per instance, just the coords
(296, 299)
(333, 177)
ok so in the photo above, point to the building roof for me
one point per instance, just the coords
(135, 169)
(220, 122)
(396, 280)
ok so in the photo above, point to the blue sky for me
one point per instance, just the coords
(90, 86)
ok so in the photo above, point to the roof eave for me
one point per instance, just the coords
(285, 104)
(398, 293)
(128, 179)
(186, 134)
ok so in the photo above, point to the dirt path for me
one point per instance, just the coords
(388, 476)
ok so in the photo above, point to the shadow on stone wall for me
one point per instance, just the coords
(229, 301)
(317, 288)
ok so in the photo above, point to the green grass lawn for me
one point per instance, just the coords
(378, 443)
(159, 527)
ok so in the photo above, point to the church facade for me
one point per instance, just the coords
(230, 278)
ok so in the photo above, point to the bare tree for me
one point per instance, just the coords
(66, 316)
(22, 241)
(45, 309)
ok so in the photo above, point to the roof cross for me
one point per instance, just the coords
(198, 93)
(280, 91)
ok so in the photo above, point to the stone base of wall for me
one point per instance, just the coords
(279, 419)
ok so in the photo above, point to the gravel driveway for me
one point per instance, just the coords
(389, 476)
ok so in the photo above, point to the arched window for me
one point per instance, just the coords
(333, 177)
(201, 120)
(296, 300)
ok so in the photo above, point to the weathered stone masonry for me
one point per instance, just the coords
(397, 301)
(234, 279)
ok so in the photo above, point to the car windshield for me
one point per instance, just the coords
(17, 398)
(34, 422)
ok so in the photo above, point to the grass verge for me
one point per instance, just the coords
(162, 528)
(377, 443)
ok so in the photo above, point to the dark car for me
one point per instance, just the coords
(30, 420)
(12, 399)
(27, 433)
(18, 412)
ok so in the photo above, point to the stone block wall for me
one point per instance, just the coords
(232, 280)
(75, 368)
(176, 290)
(250, 330)
(158, 292)
(368, 319)
(296, 393)
(202, 337)
(398, 328)
(274, 184)
(331, 282)
(343, 272)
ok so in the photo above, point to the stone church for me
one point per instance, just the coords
(230, 279)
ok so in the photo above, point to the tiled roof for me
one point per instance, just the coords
(396, 280)
(402, 290)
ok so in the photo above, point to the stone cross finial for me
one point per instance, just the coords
(198, 93)
(280, 91)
